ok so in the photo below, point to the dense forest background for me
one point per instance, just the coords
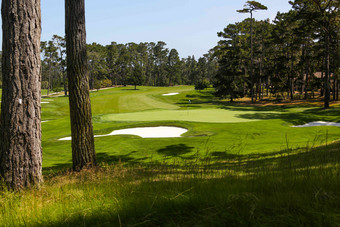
(294, 56)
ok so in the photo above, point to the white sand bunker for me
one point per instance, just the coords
(317, 123)
(146, 132)
(170, 94)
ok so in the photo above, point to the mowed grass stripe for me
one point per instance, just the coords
(196, 115)
(123, 100)
(138, 102)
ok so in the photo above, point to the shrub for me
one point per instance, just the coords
(202, 84)
(44, 85)
(106, 83)
(97, 84)
(58, 89)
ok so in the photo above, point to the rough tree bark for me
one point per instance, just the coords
(20, 130)
(83, 152)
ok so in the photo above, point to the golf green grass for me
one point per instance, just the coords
(195, 115)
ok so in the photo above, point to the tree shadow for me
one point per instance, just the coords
(243, 107)
(104, 157)
(208, 200)
(130, 89)
(203, 97)
(293, 118)
(175, 150)
(57, 169)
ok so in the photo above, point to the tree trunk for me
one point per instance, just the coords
(83, 152)
(65, 84)
(49, 74)
(291, 85)
(327, 86)
(334, 88)
(20, 144)
(252, 59)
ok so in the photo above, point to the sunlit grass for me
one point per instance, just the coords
(278, 189)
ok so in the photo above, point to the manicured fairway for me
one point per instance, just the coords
(195, 115)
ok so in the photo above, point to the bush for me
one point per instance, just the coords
(202, 84)
(97, 84)
(106, 83)
(44, 85)
(58, 89)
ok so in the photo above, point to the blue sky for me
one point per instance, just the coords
(190, 26)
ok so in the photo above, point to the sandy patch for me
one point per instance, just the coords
(146, 132)
(170, 94)
(317, 123)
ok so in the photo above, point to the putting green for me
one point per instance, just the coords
(196, 115)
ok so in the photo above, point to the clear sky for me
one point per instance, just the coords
(190, 26)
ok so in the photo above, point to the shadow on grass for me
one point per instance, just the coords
(110, 159)
(175, 150)
(293, 118)
(181, 156)
(57, 169)
(278, 189)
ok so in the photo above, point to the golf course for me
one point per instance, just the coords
(236, 164)
(170, 113)
(214, 127)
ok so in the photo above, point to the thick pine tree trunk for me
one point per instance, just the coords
(20, 131)
(83, 152)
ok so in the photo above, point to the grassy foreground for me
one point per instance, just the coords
(292, 188)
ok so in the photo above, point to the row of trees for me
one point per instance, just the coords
(135, 64)
(298, 53)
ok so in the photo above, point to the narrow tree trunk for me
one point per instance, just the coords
(291, 76)
(20, 143)
(49, 75)
(267, 86)
(327, 86)
(63, 73)
(334, 88)
(252, 59)
(65, 84)
(337, 90)
(322, 90)
(83, 152)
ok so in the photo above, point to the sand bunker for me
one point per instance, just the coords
(146, 132)
(44, 102)
(317, 123)
(170, 94)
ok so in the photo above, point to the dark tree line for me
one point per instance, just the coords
(149, 63)
(296, 55)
